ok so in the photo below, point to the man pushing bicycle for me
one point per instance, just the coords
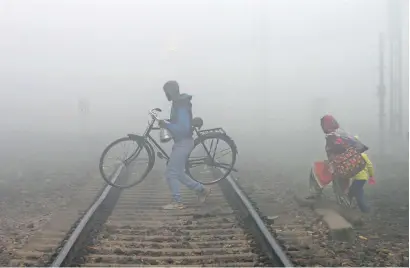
(180, 126)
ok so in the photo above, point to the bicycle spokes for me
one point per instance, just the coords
(130, 153)
(214, 155)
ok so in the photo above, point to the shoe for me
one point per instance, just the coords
(310, 197)
(173, 206)
(204, 194)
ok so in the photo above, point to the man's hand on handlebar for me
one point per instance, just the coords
(161, 123)
(154, 112)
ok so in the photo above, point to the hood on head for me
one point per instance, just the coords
(328, 124)
(171, 89)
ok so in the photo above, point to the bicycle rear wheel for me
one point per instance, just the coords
(204, 165)
(136, 157)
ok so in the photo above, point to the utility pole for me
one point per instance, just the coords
(382, 95)
(395, 9)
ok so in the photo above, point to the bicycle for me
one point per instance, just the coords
(148, 144)
(341, 197)
(316, 191)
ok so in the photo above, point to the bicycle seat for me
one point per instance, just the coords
(197, 122)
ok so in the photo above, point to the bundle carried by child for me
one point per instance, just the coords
(349, 161)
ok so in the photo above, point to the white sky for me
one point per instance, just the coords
(118, 55)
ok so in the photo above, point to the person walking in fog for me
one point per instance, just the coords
(180, 126)
(356, 189)
(338, 144)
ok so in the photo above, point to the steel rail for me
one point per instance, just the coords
(85, 219)
(235, 196)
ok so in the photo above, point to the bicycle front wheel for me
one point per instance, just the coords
(136, 157)
(207, 164)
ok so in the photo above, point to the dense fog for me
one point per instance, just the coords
(266, 71)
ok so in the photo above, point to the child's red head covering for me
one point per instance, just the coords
(329, 124)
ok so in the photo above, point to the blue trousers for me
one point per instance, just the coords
(175, 172)
(356, 190)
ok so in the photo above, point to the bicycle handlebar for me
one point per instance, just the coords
(153, 113)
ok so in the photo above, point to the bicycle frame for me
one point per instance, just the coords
(148, 138)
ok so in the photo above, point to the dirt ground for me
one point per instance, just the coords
(388, 229)
(39, 175)
(383, 238)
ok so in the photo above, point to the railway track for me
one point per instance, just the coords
(129, 228)
(299, 231)
(40, 247)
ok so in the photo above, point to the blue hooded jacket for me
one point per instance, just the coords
(180, 124)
